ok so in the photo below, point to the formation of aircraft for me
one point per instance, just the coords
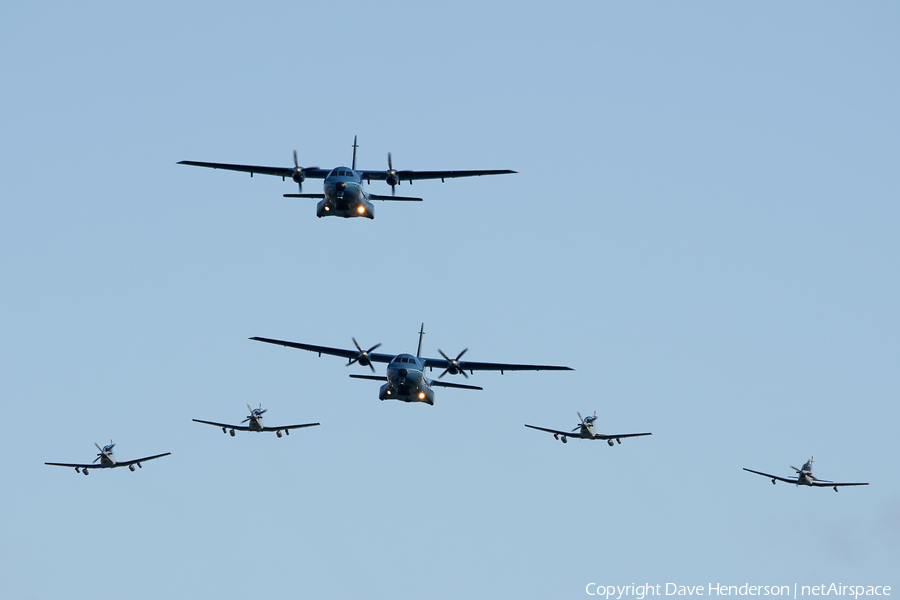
(343, 193)
(586, 431)
(405, 378)
(107, 460)
(255, 423)
(805, 477)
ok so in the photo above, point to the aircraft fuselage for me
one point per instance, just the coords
(344, 196)
(406, 381)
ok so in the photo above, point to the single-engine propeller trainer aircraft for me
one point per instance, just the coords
(586, 431)
(405, 377)
(805, 477)
(107, 460)
(255, 424)
(343, 194)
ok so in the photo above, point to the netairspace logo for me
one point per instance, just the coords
(639, 592)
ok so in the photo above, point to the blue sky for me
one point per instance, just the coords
(704, 225)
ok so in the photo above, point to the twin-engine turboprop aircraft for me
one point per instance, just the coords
(343, 194)
(107, 460)
(405, 378)
(586, 431)
(255, 424)
(805, 477)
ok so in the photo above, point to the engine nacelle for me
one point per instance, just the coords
(231, 432)
(298, 176)
(391, 179)
(131, 468)
(610, 442)
(278, 433)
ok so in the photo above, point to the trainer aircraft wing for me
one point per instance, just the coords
(290, 427)
(610, 436)
(773, 476)
(235, 427)
(417, 175)
(830, 484)
(373, 356)
(467, 365)
(91, 466)
(555, 431)
(125, 463)
(277, 171)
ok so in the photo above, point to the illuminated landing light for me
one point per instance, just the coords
(361, 210)
(421, 395)
(327, 208)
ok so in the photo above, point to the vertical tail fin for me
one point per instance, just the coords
(421, 333)
(353, 166)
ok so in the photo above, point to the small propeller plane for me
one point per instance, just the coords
(405, 379)
(586, 431)
(805, 477)
(343, 194)
(256, 424)
(107, 460)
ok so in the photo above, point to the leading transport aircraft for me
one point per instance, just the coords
(107, 460)
(586, 431)
(805, 477)
(343, 194)
(405, 378)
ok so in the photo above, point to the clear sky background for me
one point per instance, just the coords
(704, 225)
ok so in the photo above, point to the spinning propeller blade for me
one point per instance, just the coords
(453, 366)
(363, 356)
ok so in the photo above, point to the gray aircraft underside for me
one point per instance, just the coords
(586, 431)
(107, 460)
(343, 194)
(405, 377)
(804, 477)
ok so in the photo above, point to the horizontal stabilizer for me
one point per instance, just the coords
(372, 377)
(319, 196)
(401, 198)
(454, 385)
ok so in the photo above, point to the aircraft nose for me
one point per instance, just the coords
(340, 186)
(402, 372)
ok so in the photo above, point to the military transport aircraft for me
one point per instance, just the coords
(406, 378)
(344, 195)
(256, 424)
(586, 431)
(107, 460)
(805, 477)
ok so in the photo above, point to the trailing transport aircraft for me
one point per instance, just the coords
(255, 424)
(405, 378)
(107, 460)
(343, 194)
(805, 477)
(586, 431)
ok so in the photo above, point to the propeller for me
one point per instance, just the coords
(453, 368)
(363, 356)
(577, 427)
(299, 174)
(392, 179)
(102, 451)
(254, 415)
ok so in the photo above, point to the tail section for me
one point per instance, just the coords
(421, 334)
(353, 166)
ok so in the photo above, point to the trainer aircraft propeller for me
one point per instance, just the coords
(343, 194)
(255, 424)
(405, 378)
(586, 431)
(805, 477)
(107, 460)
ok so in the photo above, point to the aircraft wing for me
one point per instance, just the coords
(91, 466)
(774, 476)
(374, 357)
(453, 385)
(278, 171)
(235, 427)
(827, 484)
(290, 427)
(467, 365)
(609, 436)
(125, 463)
(411, 176)
(557, 432)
